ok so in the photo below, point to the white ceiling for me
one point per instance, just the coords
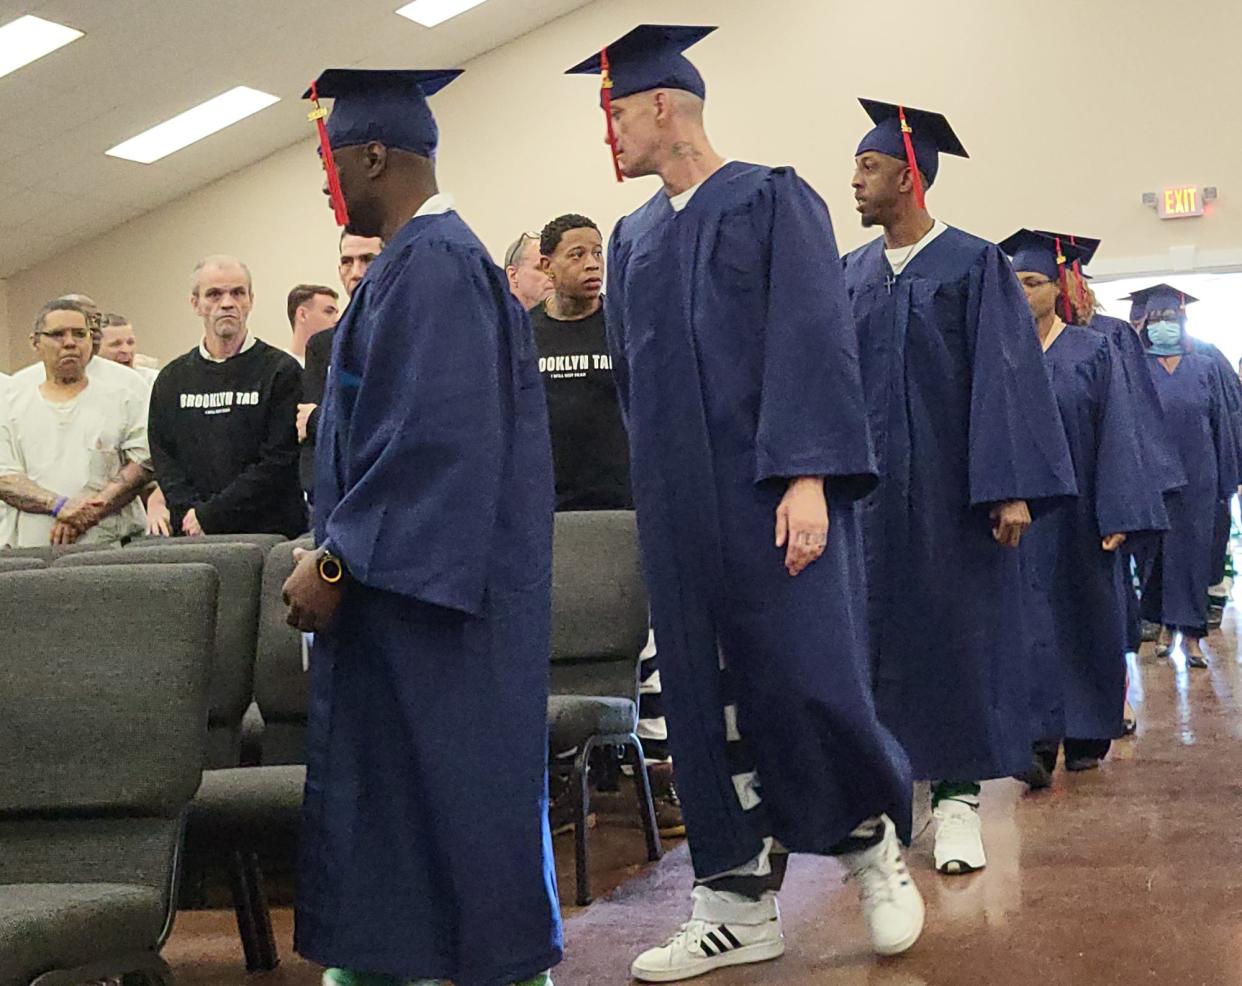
(143, 61)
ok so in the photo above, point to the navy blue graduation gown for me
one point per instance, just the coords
(1078, 630)
(425, 844)
(1161, 465)
(963, 418)
(1198, 412)
(737, 367)
(1232, 388)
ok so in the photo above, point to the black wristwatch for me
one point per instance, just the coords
(330, 568)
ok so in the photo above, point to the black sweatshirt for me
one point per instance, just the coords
(224, 441)
(590, 451)
(314, 382)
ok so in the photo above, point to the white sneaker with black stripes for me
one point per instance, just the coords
(724, 929)
(891, 903)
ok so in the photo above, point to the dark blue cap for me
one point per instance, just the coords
(384, 105)
(930, 134)
(650, 57)
(1087, 245)
(1037, 252)
(1157, 298)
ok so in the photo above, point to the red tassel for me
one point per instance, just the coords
(911, 159)
(318, 115)
(1065, 302)
(606, 94)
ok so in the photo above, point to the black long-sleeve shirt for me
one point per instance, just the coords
(314, 379)
(224, 442)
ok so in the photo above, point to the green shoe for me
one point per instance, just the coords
(543, 979)
(347, 977)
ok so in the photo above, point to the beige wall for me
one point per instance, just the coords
(1068, 120)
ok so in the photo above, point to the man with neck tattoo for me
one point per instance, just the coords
(430, 591)
(968, 442)
(737, 367)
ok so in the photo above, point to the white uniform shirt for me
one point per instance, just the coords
(72, 447)
(8, 516)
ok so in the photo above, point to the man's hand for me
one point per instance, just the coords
(82, 513)
(159, 519)
(190, 524)
(304, 413)
(62, 533)
(312, 602)
(802, 523)
(1113, 542)
(1009, 522)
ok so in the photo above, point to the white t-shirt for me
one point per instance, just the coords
(97, 369)
(71, 447)
(899, 259)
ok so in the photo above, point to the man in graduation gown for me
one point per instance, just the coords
(1070, 556)
(425, 848)
(968, 443)
(737, 367)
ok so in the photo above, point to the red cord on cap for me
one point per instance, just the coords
(606, 94)
(317, 116)
(1065, 303)
(1079, 279)
(911, 159)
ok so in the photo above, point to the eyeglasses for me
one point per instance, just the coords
(1031, 283)
(518, 247)
(59, 335)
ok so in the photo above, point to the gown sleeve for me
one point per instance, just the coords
(812, 409)
(1222, 414)
(1127, 501)
(425, 392)
(614, 319)
(1017, 445)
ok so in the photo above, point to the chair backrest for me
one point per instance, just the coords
(264, 541)
(21, 564)
(48, 552)
(599, 604)
(103, 720)
(240, 567)
(281, 687)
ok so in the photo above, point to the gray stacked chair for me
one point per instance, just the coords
(103, 729)
(232, 681)
(219, 811)
(599, 626)
(50, 552)
(21, 564)
(281, 686)
(264, 541)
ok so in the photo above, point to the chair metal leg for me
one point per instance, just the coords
(581, 780)
(642, 787)
(138, 969)
(254, 922)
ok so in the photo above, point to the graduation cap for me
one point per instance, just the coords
(1157, 298)
(384, 105)
(1087, 245)
(1044, 254)
(917, 137)
(648, 57)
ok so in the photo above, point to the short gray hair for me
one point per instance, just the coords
(219, 260)
(61, 305)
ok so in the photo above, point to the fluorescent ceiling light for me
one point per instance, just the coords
(429, 13)
(28, 39)
(194, 124)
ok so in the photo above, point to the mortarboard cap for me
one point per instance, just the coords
(1087, 245)
(384, 105)
(1158, 298)
(649, 57)
(915, 136)
(1039, 252)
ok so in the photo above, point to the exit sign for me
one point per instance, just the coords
(1180, 202)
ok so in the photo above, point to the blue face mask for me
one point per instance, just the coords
(1166, 338)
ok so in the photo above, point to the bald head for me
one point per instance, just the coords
(217, 263)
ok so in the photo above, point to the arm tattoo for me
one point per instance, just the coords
(25, 494)
(685, 149)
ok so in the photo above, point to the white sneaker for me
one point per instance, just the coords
(724, 929)
(891, 902)
(959, 836)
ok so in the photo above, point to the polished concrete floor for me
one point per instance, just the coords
(1127, 875)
